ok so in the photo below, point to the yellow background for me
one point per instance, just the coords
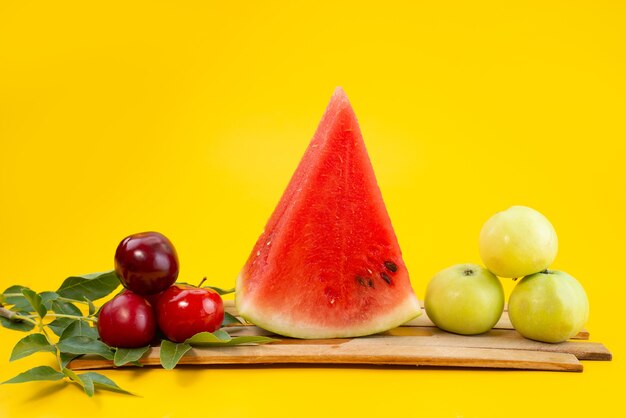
(189, 118)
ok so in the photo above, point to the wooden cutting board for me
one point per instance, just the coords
(416, 343)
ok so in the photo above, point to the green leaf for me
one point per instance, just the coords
(128, 355)
(24, 306)
(58, 325)
(171, 353)
(66, 358)
(222, 335)
(92, 307)
(3, 299)
(221, 338)
(85, 345)
(91, 286)
(35, 301)
(250, 339)
(221, 291)
(103, 382)
(86, 385)
(47, 298)
(208, 338)
(65, 308)
(18, 301)
(79, 329)
(36, 373)
(31, 344)
(17, 324)
(230, 320)
(91, 276)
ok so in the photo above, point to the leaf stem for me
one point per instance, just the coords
(14, 316)
(62, 299)
(56, 315)
(57, 352)
(83, 318)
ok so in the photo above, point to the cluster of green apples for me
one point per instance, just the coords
(545, 305)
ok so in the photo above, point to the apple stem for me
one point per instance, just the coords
(201, 282)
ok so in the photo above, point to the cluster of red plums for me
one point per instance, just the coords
(147, 265)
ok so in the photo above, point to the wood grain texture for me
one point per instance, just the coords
(362, 351)
(416, 343)
(408, 345)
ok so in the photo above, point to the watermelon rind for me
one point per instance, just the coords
(280, 323)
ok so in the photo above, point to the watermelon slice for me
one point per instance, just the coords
(328, 263)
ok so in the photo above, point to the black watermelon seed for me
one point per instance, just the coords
(370, 283)
(391, 266)
(386, 278)
(360, 280)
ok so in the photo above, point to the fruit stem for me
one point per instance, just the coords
(201, 282)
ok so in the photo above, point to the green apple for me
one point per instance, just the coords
(517, 242)
(464, 299)
(549, 306)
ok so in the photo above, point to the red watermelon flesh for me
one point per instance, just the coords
(328, 263)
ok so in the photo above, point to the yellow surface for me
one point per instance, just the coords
(189, 118)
